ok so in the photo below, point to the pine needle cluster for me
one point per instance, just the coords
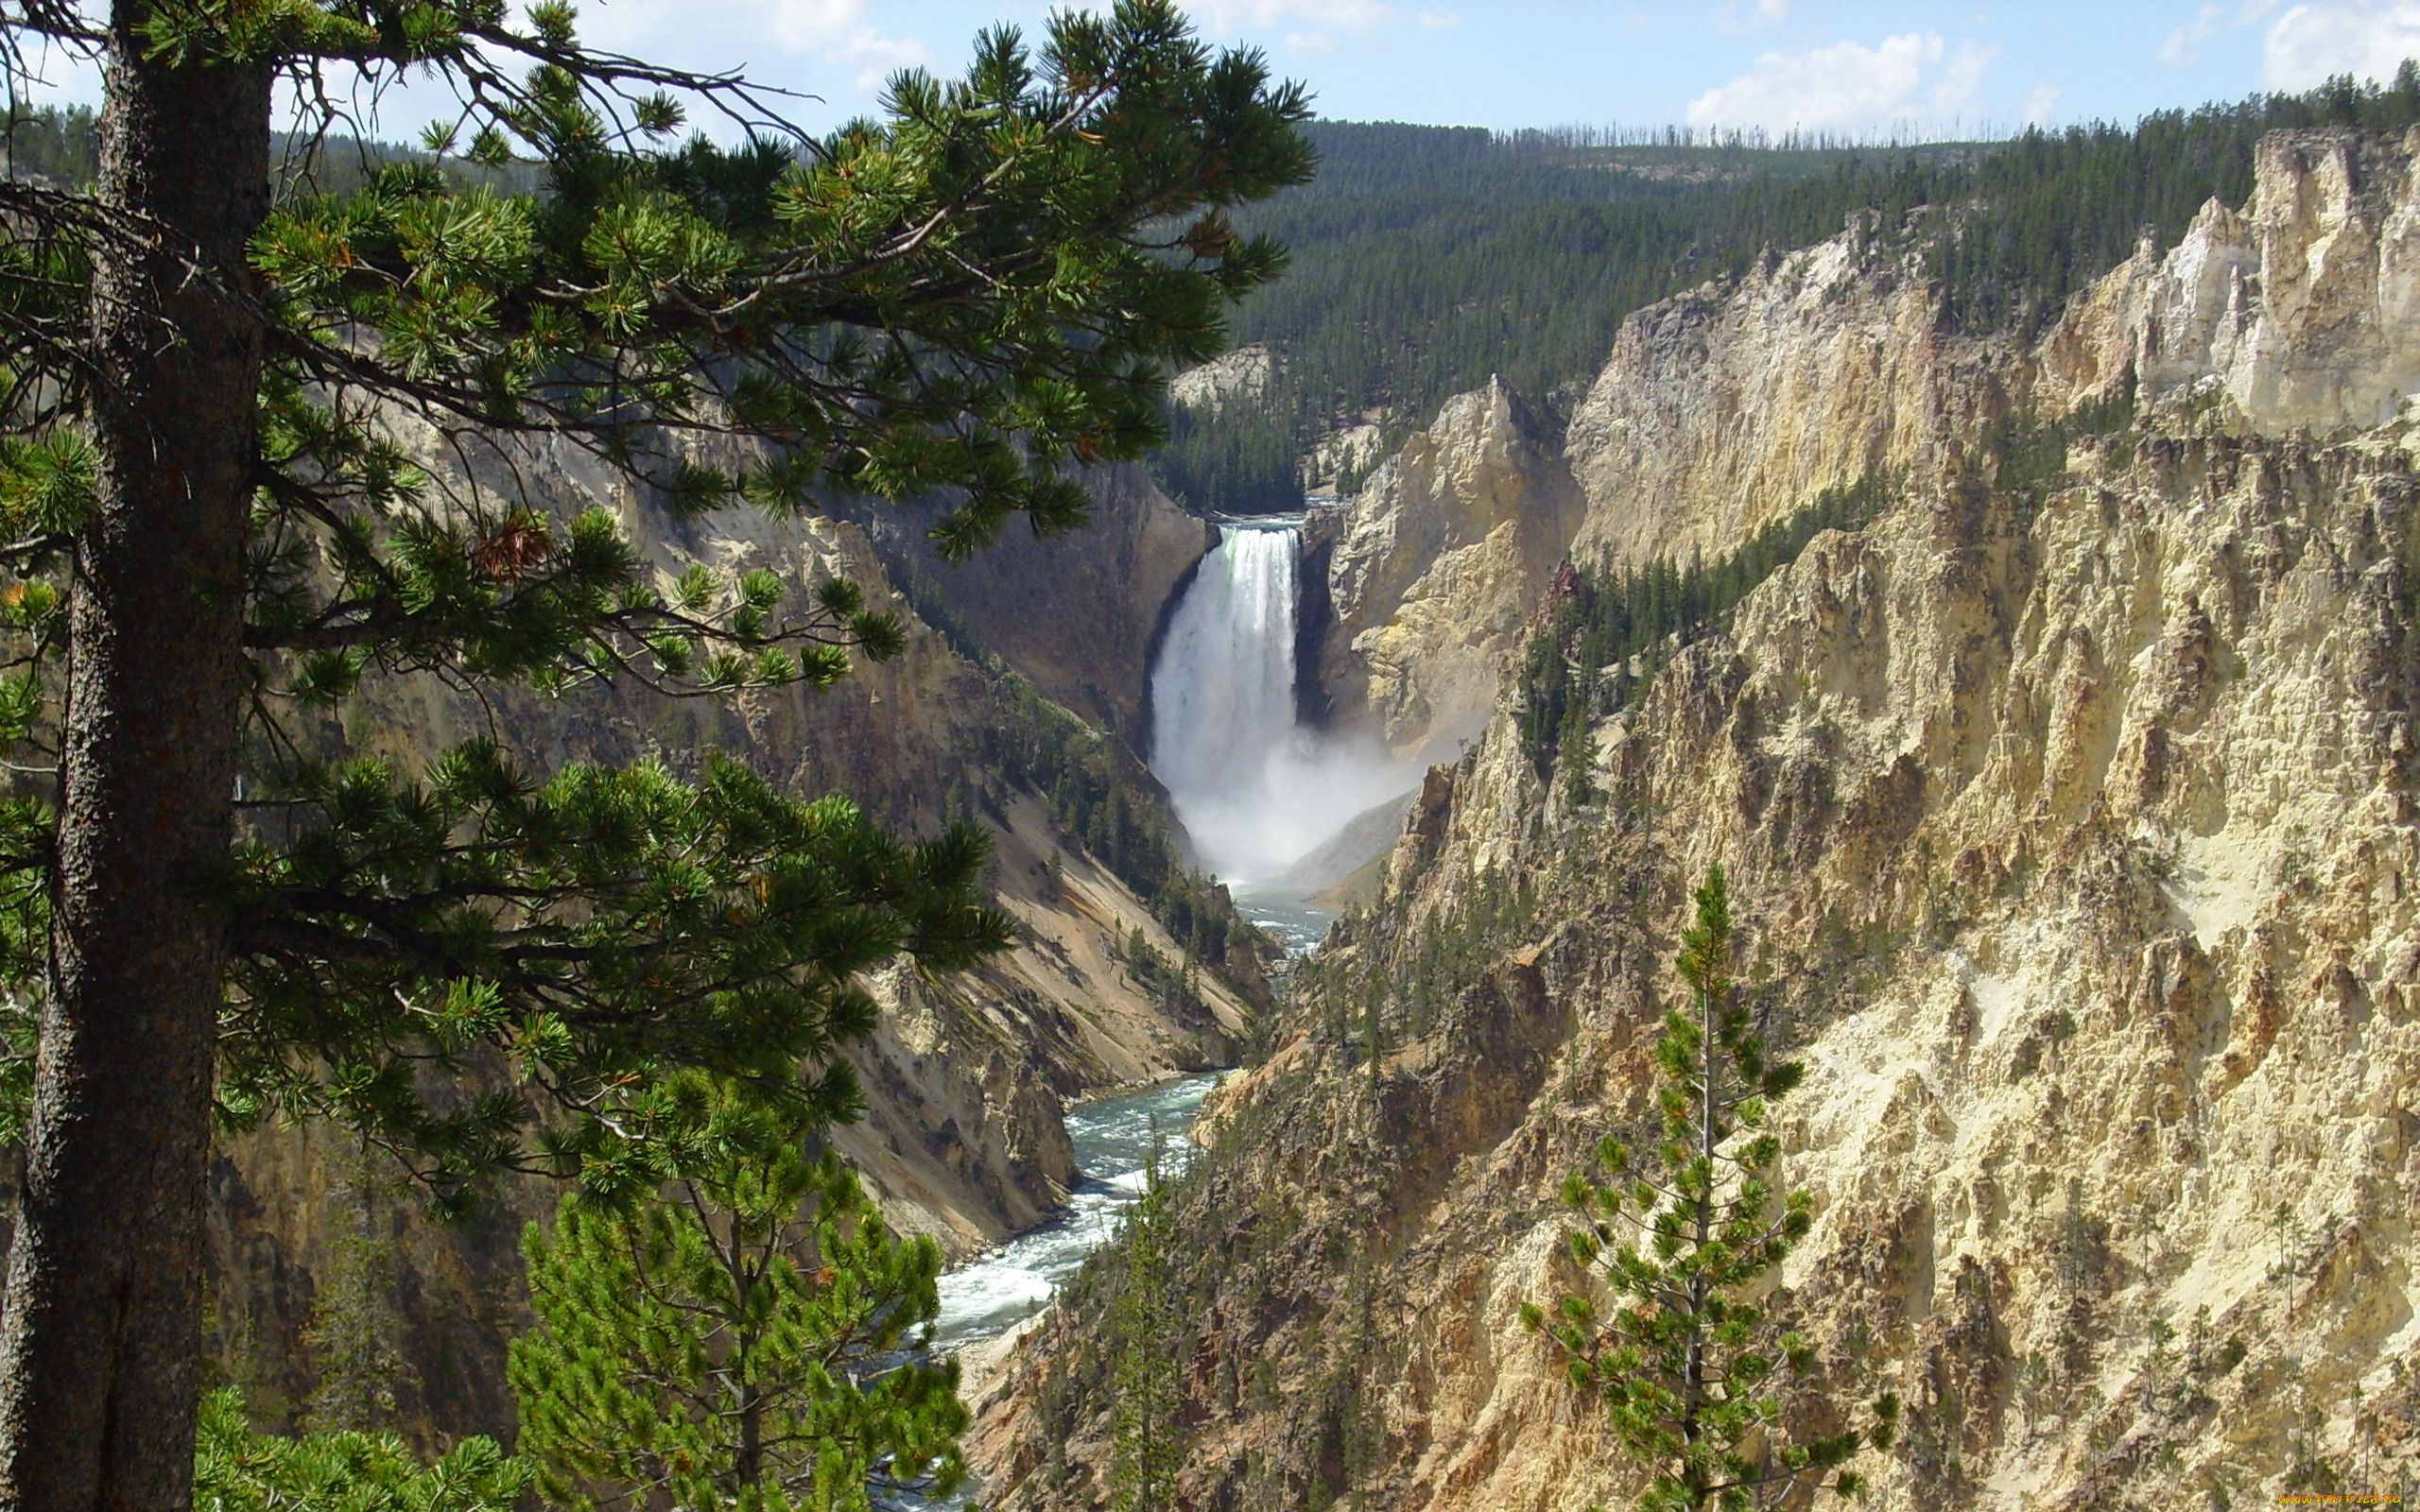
(237, 1469)
(976, 294)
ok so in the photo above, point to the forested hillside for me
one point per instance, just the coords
(1426, 259)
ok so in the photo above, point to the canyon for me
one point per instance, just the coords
(2069, 802)
(967, 1076)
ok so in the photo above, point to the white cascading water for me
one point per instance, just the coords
(1255, 791)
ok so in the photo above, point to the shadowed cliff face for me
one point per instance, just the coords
(2075, 826)
(1077, 614)
(966, 1074)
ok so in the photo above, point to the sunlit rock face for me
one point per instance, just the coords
(2298, 309)
(2076, 838)
(1432, 569)
(1731, 405)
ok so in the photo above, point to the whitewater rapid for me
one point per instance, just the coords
(1113, 1141)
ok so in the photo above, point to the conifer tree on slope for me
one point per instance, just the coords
(1684, 1364)
(209, 535)
(1147, 1331)
(738, 1346)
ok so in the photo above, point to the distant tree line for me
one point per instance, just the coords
(1426, 259)
(61, 143)
(1737, 140)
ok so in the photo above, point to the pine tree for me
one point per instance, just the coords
(1146, 1326)
(1685, 1366)
(754, 1342)
(239, 1470)
(354, 1324)
(211, 535)
(1576, 758)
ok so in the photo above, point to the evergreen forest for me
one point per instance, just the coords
(1426, 259)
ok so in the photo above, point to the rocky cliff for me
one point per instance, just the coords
(1718, 410)
(2073, 805)
(1431, 569)
(1079, 613)
(967, 1076)
(2295, 313)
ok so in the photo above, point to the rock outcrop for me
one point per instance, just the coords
(2297, 312)
(1241, 376)
(2076, 825)
(1430, 570)
(1078, 613)
(1728, 406)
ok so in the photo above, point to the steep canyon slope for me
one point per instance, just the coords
(2073, 805)
(966, 1076)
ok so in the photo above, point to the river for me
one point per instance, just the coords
(1255, 791)
(1113, 1140)
(1297, 924)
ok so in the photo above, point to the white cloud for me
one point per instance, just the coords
(2367, 39)
(1913, 78)
(835, 35)
(1752, 15)
(2184, 44)
(1313, 29)
(1359, 17)
(2042, 103)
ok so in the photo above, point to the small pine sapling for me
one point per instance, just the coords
(1147, 1323)
(756, 1341)
(1684, 1363)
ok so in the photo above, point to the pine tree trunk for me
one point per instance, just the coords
(99, 1346)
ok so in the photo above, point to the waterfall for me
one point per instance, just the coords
(1255, 791)
(1224, 684)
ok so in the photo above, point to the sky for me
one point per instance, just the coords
(1861, 67)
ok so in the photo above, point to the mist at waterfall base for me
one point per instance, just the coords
(1255, 790)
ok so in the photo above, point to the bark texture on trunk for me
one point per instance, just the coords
(100, 1341)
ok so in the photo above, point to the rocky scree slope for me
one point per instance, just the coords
(2073, 812)
(966, 1076)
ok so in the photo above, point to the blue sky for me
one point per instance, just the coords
(1858, 66)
